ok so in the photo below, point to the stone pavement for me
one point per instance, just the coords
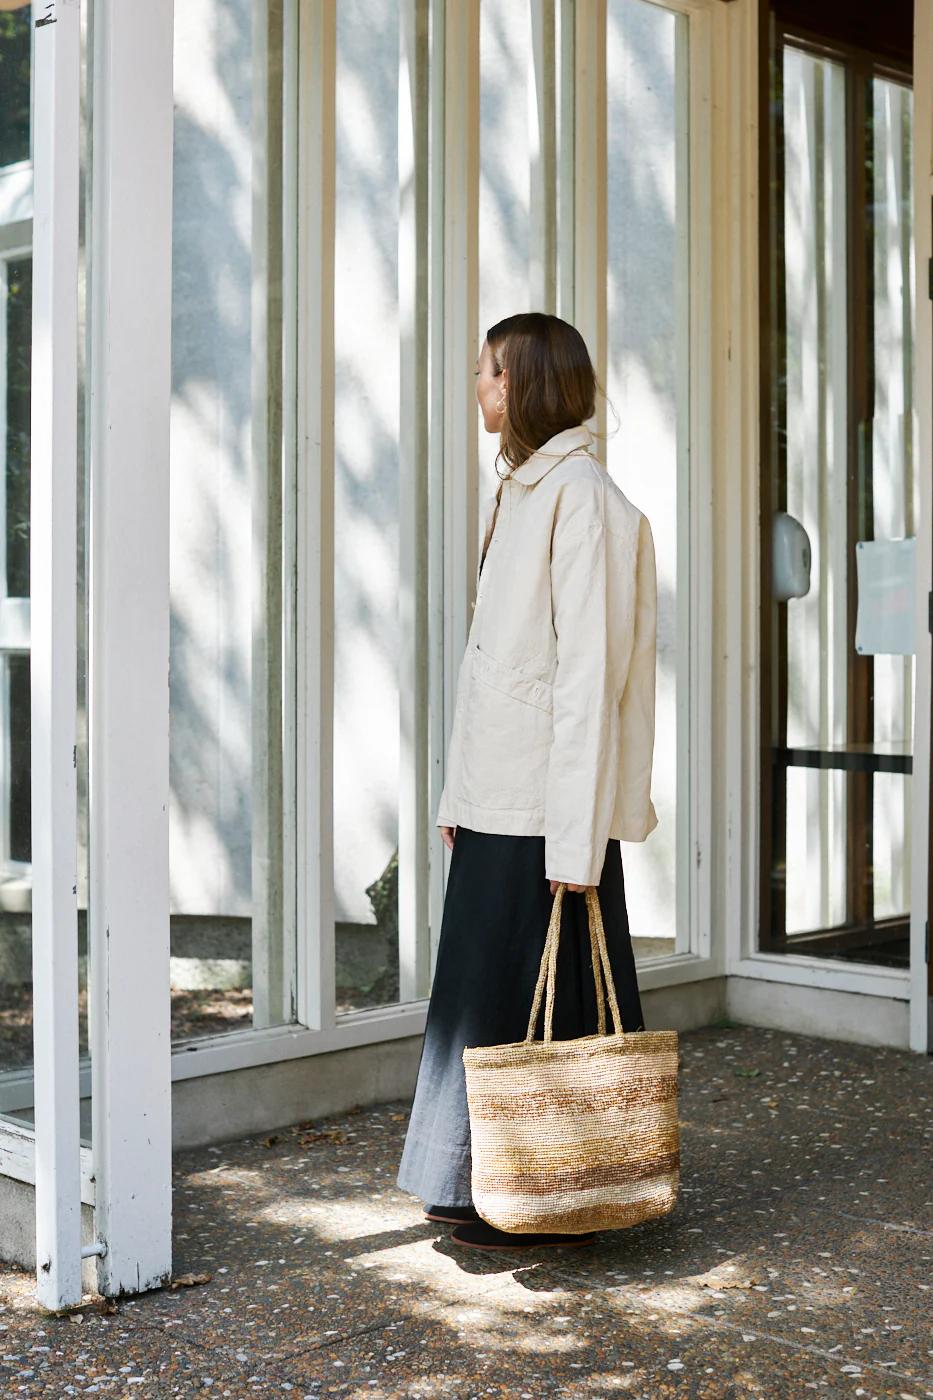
(798, 1261)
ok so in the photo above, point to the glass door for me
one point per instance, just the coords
(840, 500)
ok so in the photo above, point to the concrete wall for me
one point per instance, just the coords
(862, 1020)
(270, 1096)
(18, 1229)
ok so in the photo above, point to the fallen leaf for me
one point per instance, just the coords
(323, 1135)
(190, 1280)
(270, 1141)
(719, 1278)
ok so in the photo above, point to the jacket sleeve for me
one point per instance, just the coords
(637, 713)
(582, 772)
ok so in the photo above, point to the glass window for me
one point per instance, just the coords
(15, 375)
(816, 426)
(839, 698)
(15, 48)
(18, 289)
(895, 482)
(648, 391)
(505, 231)
(232, 945)
(367, 564)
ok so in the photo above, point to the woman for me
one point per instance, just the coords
(549, 762)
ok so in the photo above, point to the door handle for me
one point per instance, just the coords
(790, 557)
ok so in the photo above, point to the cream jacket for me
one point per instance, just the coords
(553, 728)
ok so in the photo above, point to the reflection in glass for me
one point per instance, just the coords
(15, 789)
(647, 386)
(232, 949)
(15, 36)
(894, 480)
(18, 286)
(16, 296)
(367, 575)
(816, 426)
(842, 466)
(505, 157)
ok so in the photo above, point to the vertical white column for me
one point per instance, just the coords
(130, 376)
(461, 307)
(565, 159)
(453, 465)
(590, 201)
(53, 583)
(316, 146)
(291, 70)
(437, 563)
(414, 946)
(272, 934)
(921, 1015)
(542, 133)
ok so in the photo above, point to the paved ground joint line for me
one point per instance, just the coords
(635, 1304)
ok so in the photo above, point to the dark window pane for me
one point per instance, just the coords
(20, 814)
(14, 85)
(18, 337)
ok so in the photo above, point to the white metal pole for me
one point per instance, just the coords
(130, 377)
(590, 190)
(53, 585)
(315, 355)
(414, 944)
(461, 306)
(921, 1018)
(438, 694)
(565, 102)
(273, 949)
(542, 139)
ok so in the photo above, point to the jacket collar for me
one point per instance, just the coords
(550, 453)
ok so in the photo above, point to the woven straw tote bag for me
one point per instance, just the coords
(574, 1135)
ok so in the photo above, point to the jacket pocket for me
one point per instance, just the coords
(506, 740)
(531, 690)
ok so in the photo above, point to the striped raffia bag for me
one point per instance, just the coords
(574, 1135)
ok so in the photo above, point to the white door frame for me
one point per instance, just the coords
(53, 585)
(738, 550)
(921, 1020)
(130, 304)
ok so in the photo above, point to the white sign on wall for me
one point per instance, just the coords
(886, 619)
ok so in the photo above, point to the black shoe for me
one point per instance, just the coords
(451, 1215)
(482, 1235)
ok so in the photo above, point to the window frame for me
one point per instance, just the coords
(444, 398)
(449, 460)
(859, 67)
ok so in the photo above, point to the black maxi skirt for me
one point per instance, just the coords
(496, 912)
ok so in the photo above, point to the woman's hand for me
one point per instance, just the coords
(447, 836)
(578, 889)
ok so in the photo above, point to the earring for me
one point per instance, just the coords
(500, 406)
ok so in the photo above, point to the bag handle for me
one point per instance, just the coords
(602, 971)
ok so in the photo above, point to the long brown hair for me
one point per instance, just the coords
(552, 383)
